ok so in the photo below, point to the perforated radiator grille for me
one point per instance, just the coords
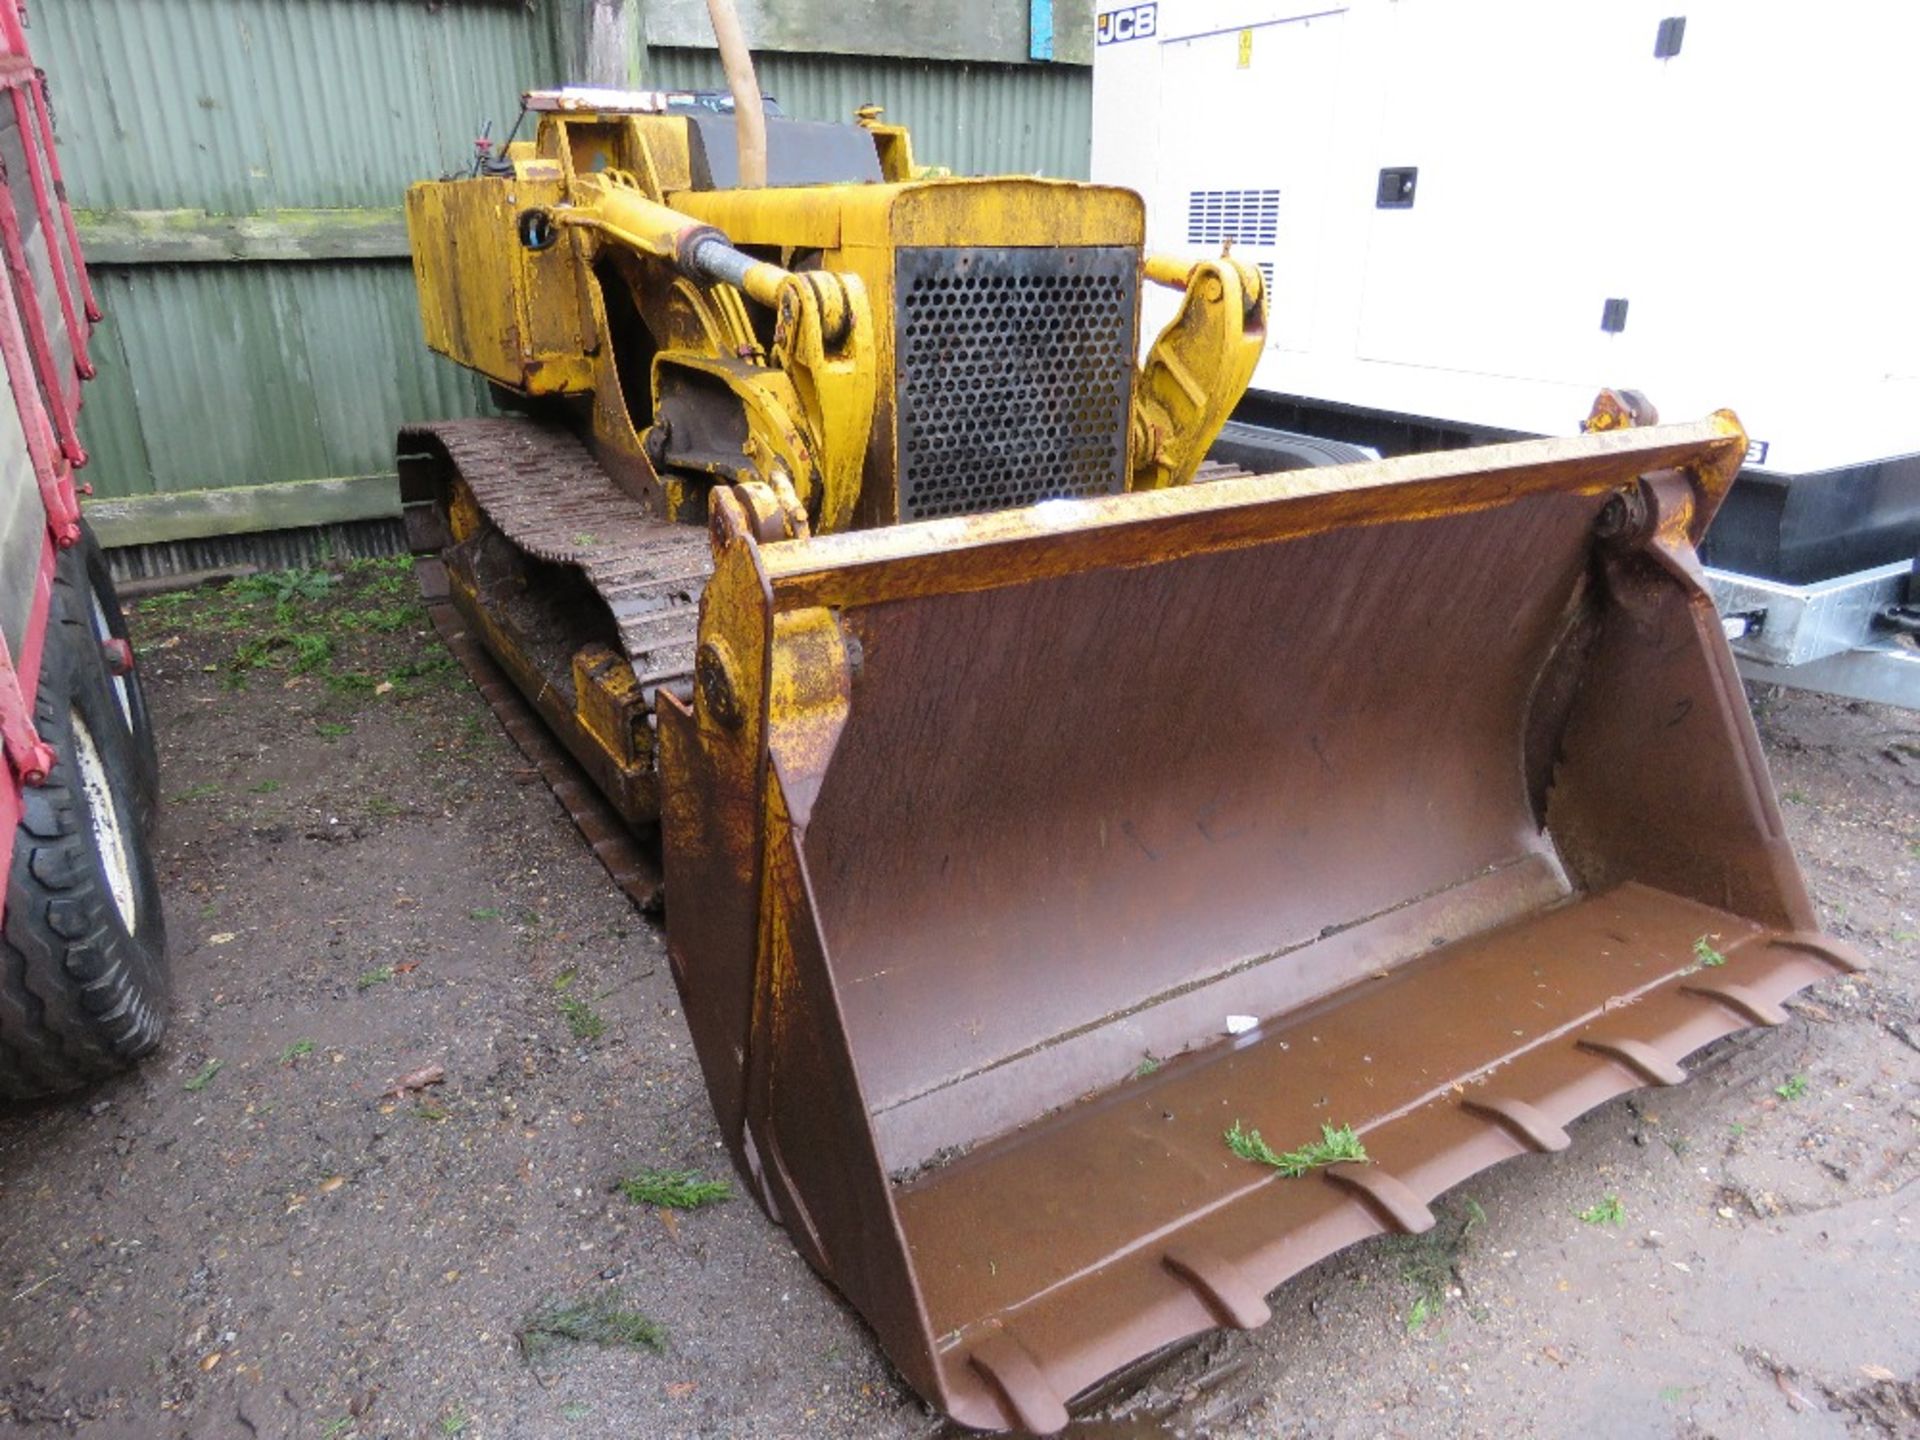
(1015, 371)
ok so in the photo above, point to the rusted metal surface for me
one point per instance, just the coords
(1436, 767)
(632, 864)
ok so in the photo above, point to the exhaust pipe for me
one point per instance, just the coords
(749, 110)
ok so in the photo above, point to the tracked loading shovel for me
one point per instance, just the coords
(1438, 767)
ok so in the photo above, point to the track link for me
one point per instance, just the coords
(543, 489)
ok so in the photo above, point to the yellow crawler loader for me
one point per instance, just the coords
(1058, 829)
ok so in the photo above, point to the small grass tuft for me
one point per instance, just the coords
(455, 1421)
(199, 791)
(601, 1319)
(331, 729)
(674, 1189)
(1608, 1211)
(1793, 1089)
(379, 975)
(1335, 1146)
(265, 787)
(1145, 1068)
(204, 1077)
(1705, 954)
(583, 1020)
(296, 1051)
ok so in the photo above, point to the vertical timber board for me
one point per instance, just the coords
(599, 42)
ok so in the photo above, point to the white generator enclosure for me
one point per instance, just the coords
(1477, 213)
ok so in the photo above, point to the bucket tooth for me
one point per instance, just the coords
(1740, 999)
(1525, 1122)
(1638, 1056)
(1229, 1293)
(1032, 1402)
(1386, 1195)
(1842, 956)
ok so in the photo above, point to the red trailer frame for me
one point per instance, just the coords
(46, 360)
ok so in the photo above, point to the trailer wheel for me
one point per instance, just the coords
(83, 977)
(110, 629)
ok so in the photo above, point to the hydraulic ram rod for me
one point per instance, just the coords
(629, 218)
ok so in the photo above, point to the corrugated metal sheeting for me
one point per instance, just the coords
(234, 373)
(242, 106)
(242, 374)
(974, 119)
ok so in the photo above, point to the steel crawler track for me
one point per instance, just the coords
(634, 865)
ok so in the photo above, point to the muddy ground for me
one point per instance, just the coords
(250, 1237)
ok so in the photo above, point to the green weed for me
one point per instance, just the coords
(1335, 1146)
(485, 912)
(379, 975)
(204, 1077)
(1705, 954)
(583, 1020)
(265, 787)
(300, 1049)
(169, 603)
(1430, 1263)
(601, 1319)
(456, 1421)
(674, 1189)
(1608, 1211)
(283, 586)
(331, 729)
(1793, 1089)
(199, 791)
(1145, 1068)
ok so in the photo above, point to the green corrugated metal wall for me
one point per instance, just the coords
(238, 373)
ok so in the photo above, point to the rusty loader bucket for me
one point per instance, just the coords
(978, 831)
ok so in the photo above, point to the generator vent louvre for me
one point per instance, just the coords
(1246, 217)
(1015, 375)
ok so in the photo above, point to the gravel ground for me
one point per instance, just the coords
(258, 1234)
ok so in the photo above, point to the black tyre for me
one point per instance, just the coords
(110, 625)
(83, 975)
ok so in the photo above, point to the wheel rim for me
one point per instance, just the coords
(103, 817)
(103, 632)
